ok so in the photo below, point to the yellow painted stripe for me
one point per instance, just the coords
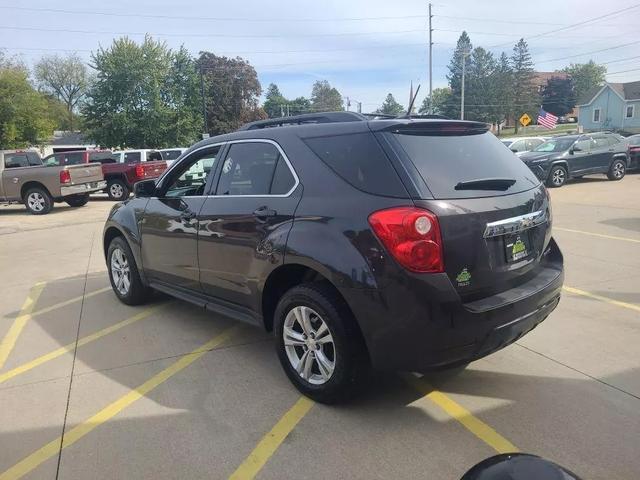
(271, 441)
(76, 433)
(610, 301)
(25, 367)
(10, 339)
(69, 302)
(456, 411)
(601, 235)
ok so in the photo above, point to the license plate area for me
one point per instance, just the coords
(517, 246)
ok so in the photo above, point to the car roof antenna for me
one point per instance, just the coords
(413, 100)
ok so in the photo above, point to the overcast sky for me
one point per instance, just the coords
(366, 48)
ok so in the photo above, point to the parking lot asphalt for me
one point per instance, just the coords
(91, 388)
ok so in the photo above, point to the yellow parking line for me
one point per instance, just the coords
(52, 448)
(272, 440)
(456, 411)
(10, 339)
(25, 367)
(608, 300)
(69, 302)
(601, 235)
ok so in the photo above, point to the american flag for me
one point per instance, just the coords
(547, 119)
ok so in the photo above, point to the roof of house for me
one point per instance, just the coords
(626, 91)
(540, 78)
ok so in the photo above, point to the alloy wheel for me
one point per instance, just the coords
(309, 345)
(36, 201)
(558, 176)
(618, 170)
(116, 190)
(120, 271)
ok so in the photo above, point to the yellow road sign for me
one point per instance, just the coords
(525, 119)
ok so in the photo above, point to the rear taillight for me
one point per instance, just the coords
(139, 171)
(65, 176)
(412, 236)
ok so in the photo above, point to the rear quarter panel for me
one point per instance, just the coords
(13, 180)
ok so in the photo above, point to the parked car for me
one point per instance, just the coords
(170, 155)
(120, 177)
(634, 151)
(25, 179)
(519, 145)
(351, 240)
(573, 156)
(136, 156)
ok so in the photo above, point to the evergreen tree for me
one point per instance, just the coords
(275, 103)
(390, 106)
(480, 92)
(325, 98)
(558, 96)
(454, 77)
(526, 98)
(503, 85)
(439, 99)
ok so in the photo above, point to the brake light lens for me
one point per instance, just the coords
(139, 171)
(412, 236)
(65, 176)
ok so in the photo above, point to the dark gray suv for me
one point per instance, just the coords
(573, 156)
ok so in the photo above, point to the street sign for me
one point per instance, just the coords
(205, 136)
(525, 119)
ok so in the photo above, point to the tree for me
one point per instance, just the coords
(586, 76)
(440, 97)
(144, 96)
(454, 77)
(299, 105)
(525, 95)
(559, 96)
(325, 98)
(503, 84)
(64, 77)
(232, 92)
(390, 106)
(275, 103)
(480, 92)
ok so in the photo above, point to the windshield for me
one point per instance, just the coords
(555, 145)
(507, 143)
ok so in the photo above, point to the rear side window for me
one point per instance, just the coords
(73, 158)
(34, 159)
(101, 157)
(132, 157)
(170, 154)
(445, 161)
(359, 160)
(14, 160)
(153, 156)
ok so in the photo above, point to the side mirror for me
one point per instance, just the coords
(514, 150)
(145, 188)
(575, 149)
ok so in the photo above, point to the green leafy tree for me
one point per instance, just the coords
(144, 96)
(299, 105)
(325, 98)
(275, 103)
(586, 76)
(66, 78)
(525, 95)
(390, 106)
(559, 96)
(232, 92)
(503, 85)
(440, 97)
(461, 53)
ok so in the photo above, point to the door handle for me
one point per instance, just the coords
(264, 212)
(187, 215)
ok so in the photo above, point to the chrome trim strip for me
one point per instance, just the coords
(515, 224)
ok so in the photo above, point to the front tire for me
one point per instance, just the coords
(557, 176)
(319, 344)
(123, 274)
(617, 170)
(77, 200)
(38, 201)
(117, 190)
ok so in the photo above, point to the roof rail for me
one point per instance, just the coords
(320, 117)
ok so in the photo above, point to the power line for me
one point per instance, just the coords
(519, 22)
(589, 53)
(624, 71)
(511, 34)
(224, 19)
(619, 60)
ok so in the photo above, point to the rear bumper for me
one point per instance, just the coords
(425, 329)
(83, 188)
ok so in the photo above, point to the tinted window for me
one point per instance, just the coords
(101, 157)
(34, 159)
(153, 156)
(248, 169)
(583, 144)
(555, 145)
(14, 160)
(74, 158)
(171, 154)
(359, 159)
(132, 157)
(533, 143)
(283, 180)
(192, 177)
(445, 161)
(612, 140)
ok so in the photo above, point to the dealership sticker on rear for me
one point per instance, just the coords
(463, 278)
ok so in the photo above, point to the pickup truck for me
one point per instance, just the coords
(120, 177)
(23, 178)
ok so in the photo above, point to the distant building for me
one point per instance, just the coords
(66, 142)
(613, 106)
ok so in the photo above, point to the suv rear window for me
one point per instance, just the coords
(359, 159)
(443, 161)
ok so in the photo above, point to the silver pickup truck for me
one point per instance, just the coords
(24, 179)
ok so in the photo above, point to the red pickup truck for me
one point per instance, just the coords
(120, 177)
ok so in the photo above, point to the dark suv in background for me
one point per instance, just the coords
(573, 156)
(400, 243)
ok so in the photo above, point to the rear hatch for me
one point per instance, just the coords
(85, 173)
(493, 211)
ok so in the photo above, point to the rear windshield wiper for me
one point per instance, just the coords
(486, 184)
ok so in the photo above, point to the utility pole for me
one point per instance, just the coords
(430, 62)
(204, 102)
(464, 63)
(359, 107)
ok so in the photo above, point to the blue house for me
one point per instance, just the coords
(614, 106)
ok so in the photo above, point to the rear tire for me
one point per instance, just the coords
(38, 201)
(117, 190)
(617, 170)
(557, 176)
(123, 274)
(334, 346)
(77, 200)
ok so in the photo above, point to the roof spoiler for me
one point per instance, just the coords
(439, 128)
(320, 117)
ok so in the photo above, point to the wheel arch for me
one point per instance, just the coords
(33, 184)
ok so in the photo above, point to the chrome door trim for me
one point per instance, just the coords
(515, 224)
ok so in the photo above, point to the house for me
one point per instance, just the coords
(66, 142)
(613, 106)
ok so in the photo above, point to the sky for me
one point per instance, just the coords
(365, 48)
